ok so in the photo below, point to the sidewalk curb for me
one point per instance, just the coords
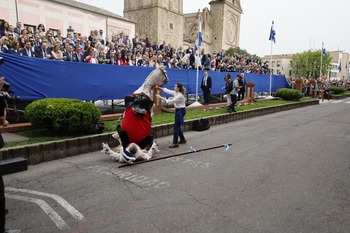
(48, 151)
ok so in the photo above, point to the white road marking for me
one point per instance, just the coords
(75, 213)
(337, 101)
(60, 223)
(347, 102)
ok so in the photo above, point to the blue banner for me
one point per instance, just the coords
(35, 78)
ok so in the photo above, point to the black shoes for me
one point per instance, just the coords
(230, 110)
(6, 211)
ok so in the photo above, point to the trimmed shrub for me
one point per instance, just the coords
(337, 90)
(63, 115)
(289, 94)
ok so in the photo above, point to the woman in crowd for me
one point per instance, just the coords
(4, 47)
(4, 27)
(153, 61)
(132, 60)
(102, 58)
(90, 58)
(118, 60)
(125, 59)
(57, 54)
(179, 104)
(15, 48)
(41, 30)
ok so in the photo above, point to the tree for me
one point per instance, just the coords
(231, 51)
(307, 64)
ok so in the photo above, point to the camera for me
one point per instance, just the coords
(11, 102)
(6, 87)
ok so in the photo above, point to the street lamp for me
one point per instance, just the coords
(70, 30)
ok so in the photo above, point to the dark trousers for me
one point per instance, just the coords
(233, 101)
(179, 121)
(206, 95)
(2, 142)
(123, 135)
(241, 94)
(2, 205)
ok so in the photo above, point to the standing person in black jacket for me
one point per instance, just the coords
(242, 84)
(228, 88)
(206, 87)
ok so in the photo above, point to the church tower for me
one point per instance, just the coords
(225, 23)
(160, 20)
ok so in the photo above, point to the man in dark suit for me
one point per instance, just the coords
(242, 83)
(78, 55)
(27, 50)
(206, 87)
(135, 41)
(43, 52)
(36, 42)
(192, 59)
(69, 54)
(18, 28)
(203, 58)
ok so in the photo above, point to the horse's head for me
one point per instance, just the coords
(157, 77)
(162, 78)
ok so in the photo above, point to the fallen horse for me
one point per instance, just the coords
(135, 132)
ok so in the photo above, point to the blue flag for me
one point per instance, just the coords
(324, 52)
(272, 33)
(339, 67)
(199, 39)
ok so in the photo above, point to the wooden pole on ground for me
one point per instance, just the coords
(174, 155)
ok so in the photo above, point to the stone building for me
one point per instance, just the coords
(164, 20)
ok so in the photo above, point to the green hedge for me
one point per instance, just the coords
(337, 90)
(289, 94)
(62, 115)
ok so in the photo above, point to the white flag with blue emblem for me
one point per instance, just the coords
(199, 39)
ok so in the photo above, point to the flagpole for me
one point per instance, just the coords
(272, 39)
(321, 62)
(196, 103)
(271, 69)
(316, 85)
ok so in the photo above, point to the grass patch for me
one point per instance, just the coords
(44, 135)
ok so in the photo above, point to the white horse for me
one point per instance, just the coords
(136, 128)
(130, 154)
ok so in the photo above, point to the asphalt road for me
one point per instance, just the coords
(285, 172)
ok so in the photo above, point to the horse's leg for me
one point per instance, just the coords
(153, 150)
(147, 155)
(107, 150)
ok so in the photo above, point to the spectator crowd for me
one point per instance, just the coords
(322, 85)
(119, 50)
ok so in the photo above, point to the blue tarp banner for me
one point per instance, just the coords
(35, 78)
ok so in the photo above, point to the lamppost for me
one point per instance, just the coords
(70, 31)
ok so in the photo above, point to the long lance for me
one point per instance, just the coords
(226, 145)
